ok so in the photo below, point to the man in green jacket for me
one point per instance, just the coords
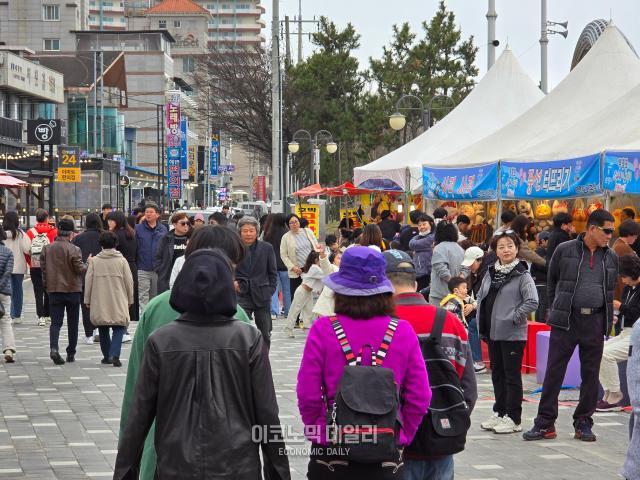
(158, 313)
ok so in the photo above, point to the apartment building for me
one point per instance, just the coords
(107, 15)
(235, 22)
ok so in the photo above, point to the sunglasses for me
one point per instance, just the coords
(183, 224)
(606, 231)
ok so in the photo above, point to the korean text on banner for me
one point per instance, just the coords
(352, 213)
(622, 172)
(472, 183)
(312, 214)
(577, 177)
(69, 169)
(173, 121)
(173, 162)
(192, 157)
(184, 167)
(214, 158)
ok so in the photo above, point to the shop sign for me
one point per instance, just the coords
(69, 175)
(44, 132)
(214, 154)
(174, 180)
(192, 160)
(184, 166)
(622, 172)
(312, 214)
(471, 183)
(352, 213)
(260, 188)
(577, 177)
(173, 120)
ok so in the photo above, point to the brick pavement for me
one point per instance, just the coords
(61, 422)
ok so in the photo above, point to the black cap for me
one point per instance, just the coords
(66, 225)
(399, 262)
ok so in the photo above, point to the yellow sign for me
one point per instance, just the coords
(192, 159)
(312, 214)
(351, 213)
(69, 175)
(69, 157)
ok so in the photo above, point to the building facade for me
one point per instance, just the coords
(107, 15)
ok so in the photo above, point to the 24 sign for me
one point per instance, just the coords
(69, 156)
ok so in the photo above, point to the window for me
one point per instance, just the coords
(162, 24)
(52, 44)
(188, 65)
(51, 13)
(176, 24)
(242, 6)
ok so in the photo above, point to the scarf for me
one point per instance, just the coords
(502, 272)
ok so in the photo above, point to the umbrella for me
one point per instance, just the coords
(7, 180)
(310, 191)
(346, 189)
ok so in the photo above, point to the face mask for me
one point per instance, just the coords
(423, 234)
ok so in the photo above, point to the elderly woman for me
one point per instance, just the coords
(364, 306)
(506, 298)
(295, 247)
(446, 260)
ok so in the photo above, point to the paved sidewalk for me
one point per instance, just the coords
(61, 422)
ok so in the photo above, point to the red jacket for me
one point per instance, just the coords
(50, 230)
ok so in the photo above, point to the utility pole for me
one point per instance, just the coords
(299, 31)
(491, 33)
(544, 43)
(101, 102)
(95, 102)
(287, 41)
(275, 102)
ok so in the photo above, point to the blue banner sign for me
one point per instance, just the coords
(622, 172)
(471, 183)
(184, 163)
(173, 172)
(578, 177)
(214, 155)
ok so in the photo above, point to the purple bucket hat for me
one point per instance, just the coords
(362, 273)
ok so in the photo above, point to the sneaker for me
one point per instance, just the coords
(583, 431)
(116, 362)
(47, 320)
(106, 361)
(88, 340)
(507, 425)
(17, 320)
(8, 356)
(126, 338)
(491, 422)
(42, 322)
(71, 357)
(55, 356)
(537, 433)
(479, 367)
(603, 406)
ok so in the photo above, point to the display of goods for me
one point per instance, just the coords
(560, 206)
(543, 210)
(579, 216)
(468, 210)
(524, 208)
(593, 206)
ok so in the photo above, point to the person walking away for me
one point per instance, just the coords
(312, 275)
(631, 468)
(470, 270)
(616, 349)
(18, 242)
(561, 232)
(506, 298)
(580, 284)
(108, 295)
(422, 247)
(237, 400)
(158, 313)
(62, 270)
(274, 229)
(171, 247)
(148, 234)
(412, 307)
(372, 237)
(6, 269)
(364, 305)
(40, 235)
(295, 247)
(128, 247)
(256, 276)
(89, 244)
(410, 230)
(456, 300)
(445, 262)
(389, 227)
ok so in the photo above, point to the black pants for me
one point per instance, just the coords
(59, 303)
(42, 299)
(587, 332)
(262, 317)
(506, 364)
(294, 283)
(322, 466)
(423, 282)
(134, 310)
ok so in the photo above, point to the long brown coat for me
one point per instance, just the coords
(109, 289)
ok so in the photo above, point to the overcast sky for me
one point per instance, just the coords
(518, 25)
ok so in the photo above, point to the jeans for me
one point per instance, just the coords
(587, 332)
(284, 287)
(42, 298)
(506, 364)
(59, 303)
(262, 317)
(147, 287)
(474, 338)
(8, 339)
(111, 346)
(440, 469)
(16, 294)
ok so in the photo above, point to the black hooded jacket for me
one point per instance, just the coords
(206, 381)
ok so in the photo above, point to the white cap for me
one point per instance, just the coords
(472, 254)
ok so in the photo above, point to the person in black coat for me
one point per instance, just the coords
(128, 246)
(388, 227)
(562, 229)
(171, 246)
(89, 244)
(256, 276)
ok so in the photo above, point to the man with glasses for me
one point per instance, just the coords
(170, 248)
(580, 283)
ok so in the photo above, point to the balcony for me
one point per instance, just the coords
(11, 129)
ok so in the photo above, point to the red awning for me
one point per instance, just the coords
(8, 181)
(310, 191)
(346, 189)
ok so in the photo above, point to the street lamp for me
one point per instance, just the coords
(330, 145)
(398, 121)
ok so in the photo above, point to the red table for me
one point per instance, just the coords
(529, 357)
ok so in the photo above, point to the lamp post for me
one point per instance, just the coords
(398, 121)
(544, 42)
(331, 147)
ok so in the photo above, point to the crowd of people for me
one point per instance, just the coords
(394, 318)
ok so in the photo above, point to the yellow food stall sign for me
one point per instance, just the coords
(69, 175)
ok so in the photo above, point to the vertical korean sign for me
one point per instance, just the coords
(174, 140)
(214, 159)
(192, 162)
(184, 167)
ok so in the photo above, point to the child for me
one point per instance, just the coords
(302, 302)
(324, 305)
(455, 301)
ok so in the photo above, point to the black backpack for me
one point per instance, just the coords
(363, 420)
(443, 430)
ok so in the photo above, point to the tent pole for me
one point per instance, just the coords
(499, 197)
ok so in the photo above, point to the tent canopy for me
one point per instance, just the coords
(8, 181)
(310, 191)
(503, 94)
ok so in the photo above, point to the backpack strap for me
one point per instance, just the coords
(342, 339)
(386, 342)
(438, 325)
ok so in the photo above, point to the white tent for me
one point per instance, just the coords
(557, 126)
(504, 93)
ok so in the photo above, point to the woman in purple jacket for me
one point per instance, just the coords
(363, 305)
